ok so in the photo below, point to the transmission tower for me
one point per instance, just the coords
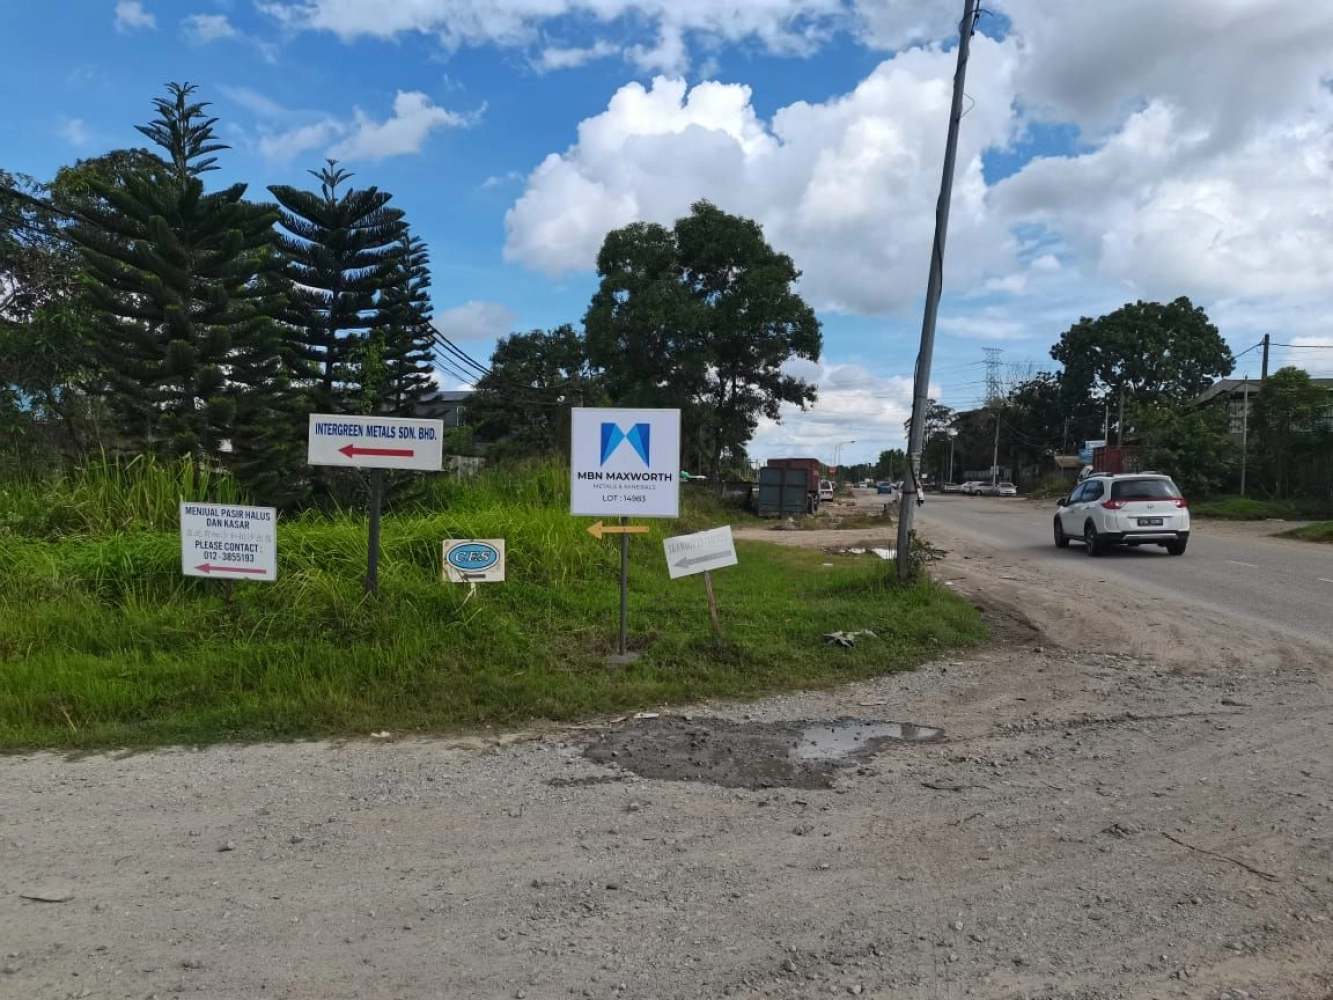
(994, 390)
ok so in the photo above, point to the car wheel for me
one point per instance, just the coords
(1061, 539)
(1177, 548)
(1092, 540)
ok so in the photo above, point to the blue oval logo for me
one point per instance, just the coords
(473, 557)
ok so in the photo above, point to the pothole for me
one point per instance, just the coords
(794, 754)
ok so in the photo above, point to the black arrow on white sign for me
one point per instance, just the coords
(696, 560)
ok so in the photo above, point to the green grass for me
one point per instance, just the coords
(1250, 509)
(104, 644)
(1321, 531)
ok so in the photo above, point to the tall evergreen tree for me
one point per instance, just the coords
(342, 247)
(404, 339)
(182, 279)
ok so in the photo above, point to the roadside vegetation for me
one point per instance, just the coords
(1250, 509)
(1321, 531)
(104, 644)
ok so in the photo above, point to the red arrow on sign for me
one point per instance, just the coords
(351, 451)
(210, 568)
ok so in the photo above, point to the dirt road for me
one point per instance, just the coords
(1125, 801)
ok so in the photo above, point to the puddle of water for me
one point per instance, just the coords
(842, 739)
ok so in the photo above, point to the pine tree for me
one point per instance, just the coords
(405, 338)
(342, 248)
(183, 282)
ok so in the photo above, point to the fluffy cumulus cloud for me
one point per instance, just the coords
(1183, 176)
(287, 134)
(860, 411)
(414, 118)
(659, 33)
(847, 186)
(131, 15)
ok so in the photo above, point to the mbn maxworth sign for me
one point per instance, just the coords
(625, 463)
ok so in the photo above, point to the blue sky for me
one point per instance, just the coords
(1107, 154)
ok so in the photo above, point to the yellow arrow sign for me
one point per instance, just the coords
(599, 529)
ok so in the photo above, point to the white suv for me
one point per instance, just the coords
(1141, 508)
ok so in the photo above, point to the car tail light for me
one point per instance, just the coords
(1181, 502)
(1113, 504)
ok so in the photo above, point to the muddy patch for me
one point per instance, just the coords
(795, 754)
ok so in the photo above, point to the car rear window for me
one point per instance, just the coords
(1144, 489)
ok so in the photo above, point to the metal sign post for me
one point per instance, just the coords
(375, 443)
(623, 464)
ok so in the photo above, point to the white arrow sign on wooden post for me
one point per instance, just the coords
(700, 552)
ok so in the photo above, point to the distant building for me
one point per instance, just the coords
(1231, 393)
(447, 405)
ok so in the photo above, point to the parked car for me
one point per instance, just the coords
(1128, 509)
(886, 488)
(950, 488)
(1008, 490)
(986, 490)
(825, 490)
(969, 487)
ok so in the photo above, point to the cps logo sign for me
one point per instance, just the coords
(474, 560)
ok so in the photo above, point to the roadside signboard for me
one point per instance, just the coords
(699, 553)
(625, 463)
(351, 442)
(228, 541)
(474, 560)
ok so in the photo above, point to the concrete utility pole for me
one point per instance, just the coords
(1263, 373)
(934, 285)
(1245, 431)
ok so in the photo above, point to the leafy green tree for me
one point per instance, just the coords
(342, 247)
(1294, 429)
(182, 279)
(891, 465)
(1143, 352)
(522, 406)
(702, 317)
(1188, 442)
(1047, 417)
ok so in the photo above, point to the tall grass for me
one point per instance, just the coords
(103, 642)
(109, 495)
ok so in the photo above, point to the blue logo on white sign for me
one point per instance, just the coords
(473, 557)
(637, 436)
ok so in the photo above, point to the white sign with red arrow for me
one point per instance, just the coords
(228, 541)
(352, 442)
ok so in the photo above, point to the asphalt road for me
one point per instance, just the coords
(1253, 577)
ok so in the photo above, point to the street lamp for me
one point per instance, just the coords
(953, 435)
(837, 451)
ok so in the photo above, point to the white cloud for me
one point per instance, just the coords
(74, 131)
(200, 29)
(1188, 177)
(555, 57)
(848, 186)
(475, 321)
(857, 409)
(292, 142)
(131, 16)
(662, 30)
(414, 118)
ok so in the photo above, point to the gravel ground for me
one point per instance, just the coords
(1106, 814)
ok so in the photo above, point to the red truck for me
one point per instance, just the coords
(789, 486)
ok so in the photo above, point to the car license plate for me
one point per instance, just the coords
(1150, 522)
